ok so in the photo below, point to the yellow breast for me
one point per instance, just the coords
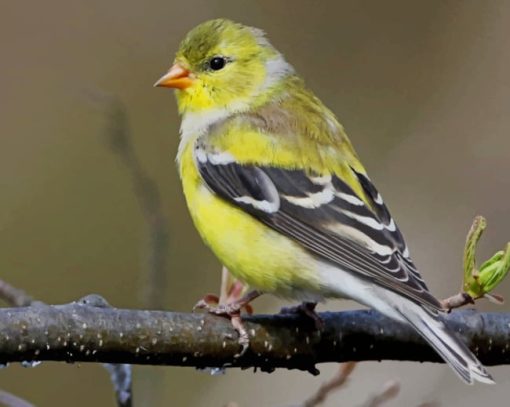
(254, 253)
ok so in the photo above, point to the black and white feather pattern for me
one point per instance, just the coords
(324, 215)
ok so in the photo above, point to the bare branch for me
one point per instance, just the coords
(388, 392)
(121, 377)
(79, 332)
(147, 194)
(14, 296)
(456, 301)
(120, 374)
(335, 383)
(146, 191)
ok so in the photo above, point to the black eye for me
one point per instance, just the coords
(217, 63)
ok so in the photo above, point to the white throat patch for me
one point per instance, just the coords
(194, 125)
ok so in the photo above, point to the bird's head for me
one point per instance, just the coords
(224, 65)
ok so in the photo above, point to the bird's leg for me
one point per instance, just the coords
(306, 309)
(210, 303)
(231, 310)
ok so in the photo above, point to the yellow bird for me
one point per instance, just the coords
(278, 193)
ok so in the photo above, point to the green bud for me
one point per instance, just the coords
(479, 282)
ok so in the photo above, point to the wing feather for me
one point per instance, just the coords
(325, 216)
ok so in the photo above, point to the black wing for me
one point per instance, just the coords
(325, 216)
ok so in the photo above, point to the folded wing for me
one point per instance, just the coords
(325, 216)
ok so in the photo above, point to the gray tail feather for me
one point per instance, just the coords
(429, 324)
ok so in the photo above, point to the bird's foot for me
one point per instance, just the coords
(210, 303)
(232, 310)
(306, 309)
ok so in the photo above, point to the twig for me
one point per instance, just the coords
(479, 281)
(335, 383)
(14, 296)
(121, 377)
(457, 301)
(388, 392)
(148, 196)
(157, 234)
(84, 333)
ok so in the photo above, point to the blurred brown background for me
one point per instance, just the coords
(421, 86)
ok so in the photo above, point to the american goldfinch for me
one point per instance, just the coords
(276, 190)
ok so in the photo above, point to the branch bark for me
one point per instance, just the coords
(83, 332)
(120, 374)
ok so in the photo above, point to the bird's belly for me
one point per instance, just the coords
(254, 253)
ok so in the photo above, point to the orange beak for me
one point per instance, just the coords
(177, 77)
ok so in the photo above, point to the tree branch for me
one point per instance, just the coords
(82, 332)
(147, 193)
(335, 383)
(120, 375)
(14, 296)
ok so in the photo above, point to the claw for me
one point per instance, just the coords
(206, 302)
(244, 339)
(232, 310)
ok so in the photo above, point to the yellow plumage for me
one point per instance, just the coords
(276, 190)
(238, 239)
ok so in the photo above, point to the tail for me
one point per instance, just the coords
(429, 324)
(426, 321)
